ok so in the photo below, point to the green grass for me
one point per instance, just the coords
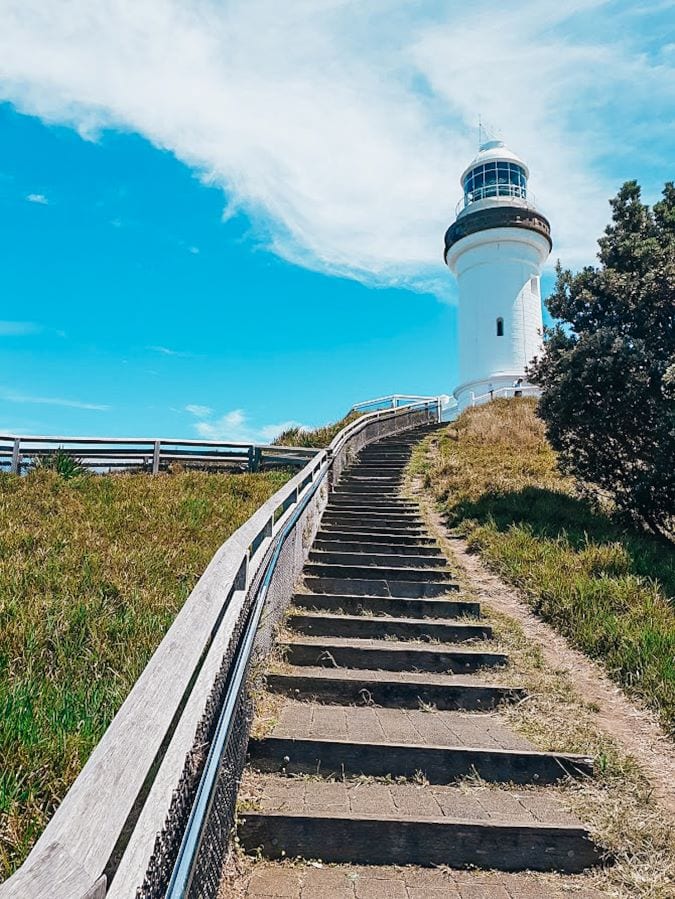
(611, 591)
(318, 437)
(92, 572)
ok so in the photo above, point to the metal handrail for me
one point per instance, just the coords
(505, 392)
(511, 192)
(395, 400)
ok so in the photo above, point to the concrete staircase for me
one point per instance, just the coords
(391, 700)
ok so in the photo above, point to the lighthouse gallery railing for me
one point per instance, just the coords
(153, 807)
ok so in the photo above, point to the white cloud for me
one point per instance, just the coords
(340, 126)
(234, 426)
(199, 411)
(12, 397)
(167, 351)
(17, 329)
(40, 199)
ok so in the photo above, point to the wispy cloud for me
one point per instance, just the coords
(339, 126)
(10, 396)
(18, 329)
(199, 411)
(40, 199)
(235, 426)
(167, 351)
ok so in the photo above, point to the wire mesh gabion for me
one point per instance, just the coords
(292, 546)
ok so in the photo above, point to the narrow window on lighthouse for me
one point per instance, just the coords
(500, 327)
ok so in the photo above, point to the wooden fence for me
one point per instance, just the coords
(103, 454)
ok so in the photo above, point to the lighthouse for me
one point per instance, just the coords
(496, 247)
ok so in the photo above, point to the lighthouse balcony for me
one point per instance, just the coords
(495, 195)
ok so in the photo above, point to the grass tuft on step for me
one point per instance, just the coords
(92, 572)
(609, 589)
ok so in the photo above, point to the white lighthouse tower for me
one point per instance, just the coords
(496, 248)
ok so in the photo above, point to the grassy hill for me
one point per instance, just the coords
(92, 573)
(611, 591)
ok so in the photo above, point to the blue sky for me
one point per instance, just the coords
(221, 217)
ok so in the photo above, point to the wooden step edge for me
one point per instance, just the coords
(329, 757)
(387, 840)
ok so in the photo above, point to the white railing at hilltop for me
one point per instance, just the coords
(151, 454)
(393, 401)
(504, 392)
(151, 812)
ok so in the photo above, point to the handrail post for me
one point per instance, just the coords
(16, 457)
(155, 457)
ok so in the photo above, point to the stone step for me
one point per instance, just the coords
(406, 824)
(384, 655)
(376, 572)
(368, 587)
(341, 686)
(391, 548)
(402, 539)
(384, 605)
(331, 758)
(322, 624)
(340, 557)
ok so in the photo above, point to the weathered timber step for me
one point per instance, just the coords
(381, 559)
(369, 587)
(370, 488)
(375, 840)
(402, 539)
(377, 502)
(352, 526)
(389, 549)
(377, 572)
(365, 506)
(377, 628)
(386, 605)
(360, 516)
(359, 477)
(438, 764)
(340, 686)
(371, 508)
(386, 656)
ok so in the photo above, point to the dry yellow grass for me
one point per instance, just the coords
(610, 590)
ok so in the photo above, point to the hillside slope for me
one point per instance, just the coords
(609, 590)
(92, 573)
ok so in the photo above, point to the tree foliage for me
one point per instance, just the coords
(608, 369)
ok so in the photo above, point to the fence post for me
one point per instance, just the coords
(254, 458)
(155, 457)
(14, 468)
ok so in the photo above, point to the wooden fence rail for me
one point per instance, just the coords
(102, 454)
